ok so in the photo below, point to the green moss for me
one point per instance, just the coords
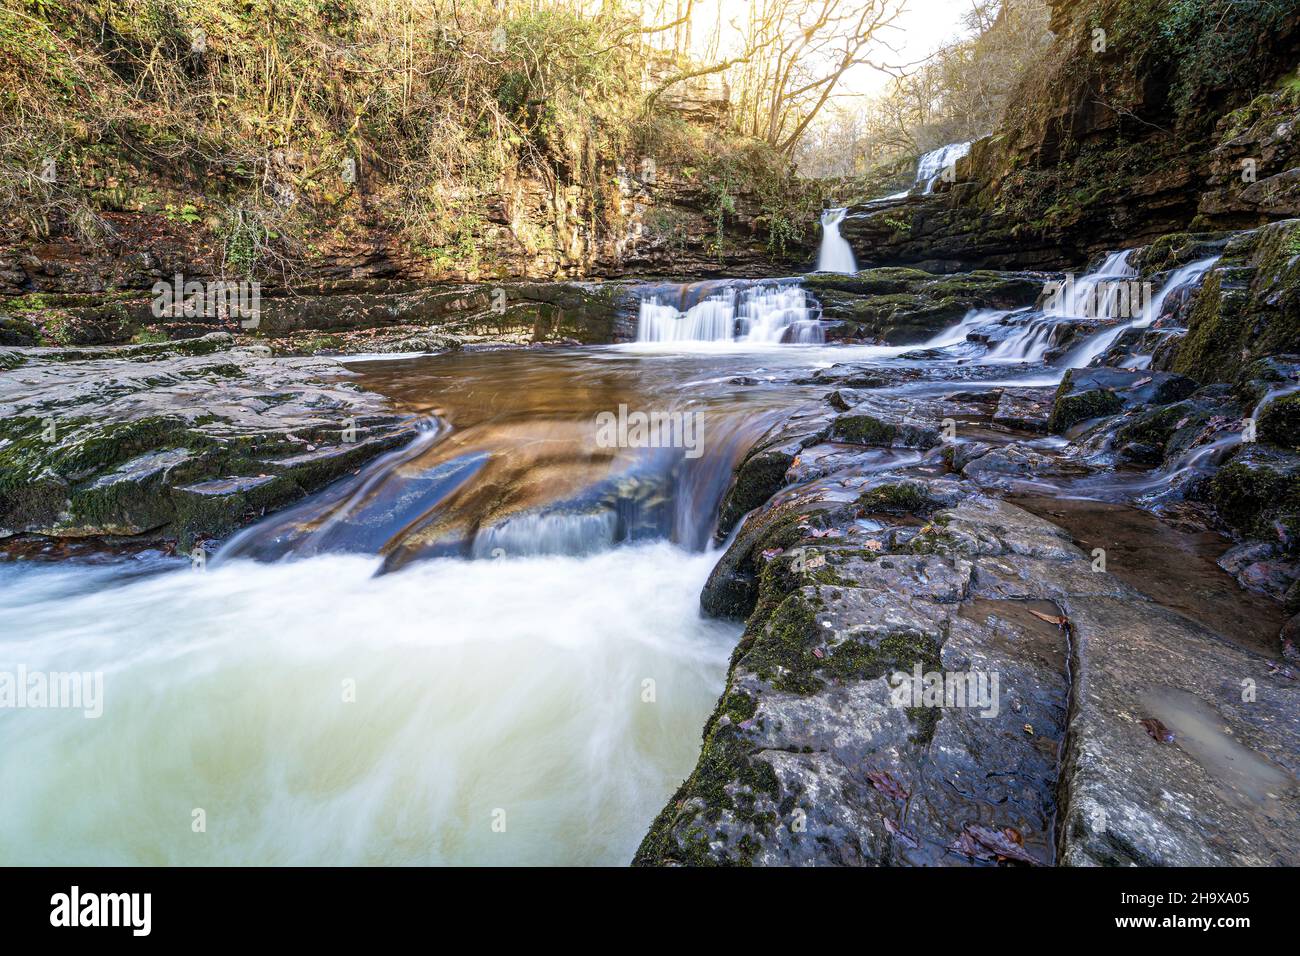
(896, 498)
(757, 479)
(1251, 494)
(1070, 408)
(862, 430)
(1279, 423)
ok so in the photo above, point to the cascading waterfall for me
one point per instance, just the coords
(929, 169)
(1097, 294)
(757, 314)
(1101, 342)
(836, 254)
(932, 164)
(974, 319)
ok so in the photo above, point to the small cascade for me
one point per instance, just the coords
(1101, 342)
(836, 254)
(1030, 344)
(975, 319)
(929, 170)
(757, 314)
(1097, 295)
(931, 166)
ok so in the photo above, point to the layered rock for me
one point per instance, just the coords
(175, 442)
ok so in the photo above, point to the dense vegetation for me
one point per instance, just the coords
(280, 128)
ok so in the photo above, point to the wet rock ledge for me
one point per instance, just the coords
(853, 571)
(174, 441)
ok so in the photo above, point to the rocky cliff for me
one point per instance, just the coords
(1144, 118)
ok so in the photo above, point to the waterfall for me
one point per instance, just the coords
(1097, 294)
(956, 335)
(757, 314)
(1030, 344)
(836, 254)
(931, 166)
(1101, 342)
(929, 170)
(710, 320)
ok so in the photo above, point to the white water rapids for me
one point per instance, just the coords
(515, 685)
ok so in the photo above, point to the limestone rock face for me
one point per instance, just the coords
(176, 441)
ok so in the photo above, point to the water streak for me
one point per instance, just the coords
(836, 255)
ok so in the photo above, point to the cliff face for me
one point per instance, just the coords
(1144, 118)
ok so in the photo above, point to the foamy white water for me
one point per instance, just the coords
(835, 254)
(512, 685)
(759, 314)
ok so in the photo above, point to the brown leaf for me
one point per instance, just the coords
(883, 781)
(1157, 730)
(1002, 845)
(874, 545)
(899, 832)
(1050, 618)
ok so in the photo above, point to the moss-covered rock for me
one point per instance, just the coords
(863, 430)
(1248, 306)
(1279, 423)
(757, 479)
(1257, 494)
(1070, 408)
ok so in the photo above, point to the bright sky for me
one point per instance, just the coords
(923, 27)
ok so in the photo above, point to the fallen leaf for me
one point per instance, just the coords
(817, 652)
(771, 553)
(899, 832)
(1029, 729)
(1157, 730)
(1002, 845)
(883, 781)
(874, 545)
(1050, 618)
(969, 846)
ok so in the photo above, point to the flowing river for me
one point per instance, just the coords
(340, 685)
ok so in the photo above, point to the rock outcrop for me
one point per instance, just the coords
(175, 442)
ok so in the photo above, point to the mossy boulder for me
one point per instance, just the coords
(1279, 423)
(905, 305)
(863, 430)
(759, 477)
(1257, 494)
(1248, 307)
(1089, 393)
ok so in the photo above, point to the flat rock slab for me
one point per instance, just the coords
(1222, 790)
(180, 439)
(822, 751)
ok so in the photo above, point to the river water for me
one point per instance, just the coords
(354, 705)
(339, 685)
